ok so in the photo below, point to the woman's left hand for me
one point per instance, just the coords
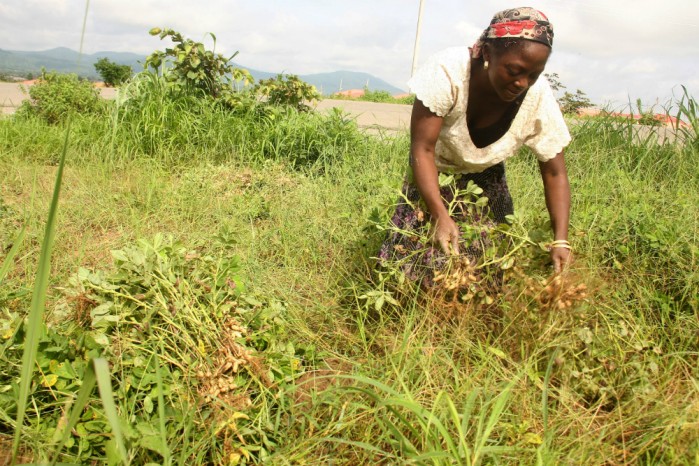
(561, 258)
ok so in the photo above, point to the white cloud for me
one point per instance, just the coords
(608, 49)
(640, 65)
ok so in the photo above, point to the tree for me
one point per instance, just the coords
(112, 73)
(554, 81)
(570, 103)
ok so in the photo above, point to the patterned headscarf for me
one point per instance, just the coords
(521, 23)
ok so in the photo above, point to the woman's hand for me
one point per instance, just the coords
(445, 233)
(561, 258)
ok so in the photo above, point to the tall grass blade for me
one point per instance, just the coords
(104, 382)
(36, 311)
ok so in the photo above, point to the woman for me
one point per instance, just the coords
(474, 108)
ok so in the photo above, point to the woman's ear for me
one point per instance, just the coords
(486, 52)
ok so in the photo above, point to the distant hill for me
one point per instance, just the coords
(62, 60)
(65, 60)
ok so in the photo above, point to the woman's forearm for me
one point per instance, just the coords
(426, 179)
(557, 194)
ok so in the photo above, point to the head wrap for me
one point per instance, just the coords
(516, 23)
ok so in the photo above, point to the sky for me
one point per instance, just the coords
(614, 51)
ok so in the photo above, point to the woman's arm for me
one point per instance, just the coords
(424, 132)
(557, 193)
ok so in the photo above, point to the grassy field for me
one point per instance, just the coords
(212, 277)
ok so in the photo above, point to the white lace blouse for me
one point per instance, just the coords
(442, 85)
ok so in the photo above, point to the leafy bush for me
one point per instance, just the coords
(193, 68)
(112, 73)
(56, 96)
(287, 90)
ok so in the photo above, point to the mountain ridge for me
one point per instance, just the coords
(66, 60)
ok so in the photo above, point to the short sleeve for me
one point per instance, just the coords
(550, 133)
(434, 84)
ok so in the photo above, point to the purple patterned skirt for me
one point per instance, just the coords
(406, 244)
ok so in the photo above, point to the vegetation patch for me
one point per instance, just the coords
(253, 325)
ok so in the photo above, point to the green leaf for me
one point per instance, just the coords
(105, 388)
(148, 404)
(379, 302)
(153, 443)
(507, 263)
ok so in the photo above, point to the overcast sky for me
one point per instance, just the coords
(615, 51)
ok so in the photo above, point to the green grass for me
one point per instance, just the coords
(280, 201)
(378, 96)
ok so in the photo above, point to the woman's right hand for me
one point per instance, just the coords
(445, 233)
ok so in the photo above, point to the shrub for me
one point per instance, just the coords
(195, 69)
(56, 96)
(112, 73)
(287, 90)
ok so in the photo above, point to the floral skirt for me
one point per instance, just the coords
(407, 243)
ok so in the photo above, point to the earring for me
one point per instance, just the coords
(485, 65)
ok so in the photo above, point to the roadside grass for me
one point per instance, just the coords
(610, 380)
(384, 97)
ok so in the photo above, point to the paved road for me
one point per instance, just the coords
(390, 117)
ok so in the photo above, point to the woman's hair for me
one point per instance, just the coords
(501, 46)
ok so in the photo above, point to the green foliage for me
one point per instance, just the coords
(647, 117)
(57, 96)
(190, 66)
(304, 140)
(688, 112)
(112, 73)
(376, 96)
(189, 351)
(287, 90)
(380, 97)
(570, 103)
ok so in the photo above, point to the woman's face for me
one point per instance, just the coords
(513, 70)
